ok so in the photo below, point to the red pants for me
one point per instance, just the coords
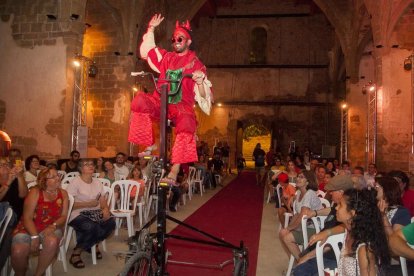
(146, 107)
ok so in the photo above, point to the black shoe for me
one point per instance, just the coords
(172, 209)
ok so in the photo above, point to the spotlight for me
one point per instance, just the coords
(372, 88)
(77, 63)
(219, 104)
(344, 105)
(135, 88)
(51, 16)
(74, 16)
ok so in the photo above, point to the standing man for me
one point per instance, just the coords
(259, 163)
(173, 65)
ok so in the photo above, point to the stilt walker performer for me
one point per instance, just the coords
(146, 107)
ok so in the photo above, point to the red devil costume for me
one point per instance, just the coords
(146, 107)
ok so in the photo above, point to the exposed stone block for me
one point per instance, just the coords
(36, 27)
(49, 41)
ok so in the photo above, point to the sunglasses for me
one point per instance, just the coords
(179, 39)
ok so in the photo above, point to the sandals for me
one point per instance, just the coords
(78, 263)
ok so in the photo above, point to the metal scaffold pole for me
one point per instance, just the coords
(80, 100)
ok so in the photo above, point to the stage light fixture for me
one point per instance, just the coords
(92, 70)
(344, 106)
(372, 88)
(219, 104)
(77, 63)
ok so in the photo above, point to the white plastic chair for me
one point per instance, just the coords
(277, 190)
(108, 193)
(105, 182)
(318, 222)
(61, 174)
(4, 223)
(325, 202)
(199, 180)
(320, 193)
(96, 175)
(334, 241)
(72, 174)
(31, 185)
(124, 203)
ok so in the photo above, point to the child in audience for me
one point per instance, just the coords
(241, 164)
(288, 194)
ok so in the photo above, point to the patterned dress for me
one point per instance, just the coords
(45, 214)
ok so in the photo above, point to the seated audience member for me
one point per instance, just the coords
(336, 187)
(371, 174)
(320, 176)
(345, 168)
(299, 163)
(108, 171)
(42, 223)
(90, 216)
(358, 170)
(215, 166)
(402, 240)
(330, 168)
(15, 156)
(32, 166)
(407, 192)
(292, 172)
(99, 165)
(72, 164)
(328, 177)
(390, 204)
(121, 170)
(313, 164)
(288, 194)
(364, 251)
(359, 181)
(13, 190)
(136, 175)
(306, 199)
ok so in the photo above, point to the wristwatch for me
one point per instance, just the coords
(34, 237)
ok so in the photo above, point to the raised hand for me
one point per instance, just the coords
(155, 21)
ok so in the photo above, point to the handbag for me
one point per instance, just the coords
(93, 215)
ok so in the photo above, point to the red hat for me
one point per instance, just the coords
(283, 178)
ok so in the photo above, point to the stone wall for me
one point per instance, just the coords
(36, 76)
(291, 41)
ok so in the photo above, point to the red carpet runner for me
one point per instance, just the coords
(233, 214)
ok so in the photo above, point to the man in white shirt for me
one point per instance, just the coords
(121, 171)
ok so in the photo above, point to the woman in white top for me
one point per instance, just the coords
(365, 250)
(90, 216)
(32, 166)
(306, 199)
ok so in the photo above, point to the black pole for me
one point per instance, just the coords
(162, 196)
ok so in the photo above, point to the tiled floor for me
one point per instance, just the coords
(271, 261)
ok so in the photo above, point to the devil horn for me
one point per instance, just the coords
(187, 25)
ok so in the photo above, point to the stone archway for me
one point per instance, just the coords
(251, 133)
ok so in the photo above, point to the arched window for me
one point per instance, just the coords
(258, 45)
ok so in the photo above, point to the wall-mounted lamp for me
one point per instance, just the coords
(51, 16)
(344, 105)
